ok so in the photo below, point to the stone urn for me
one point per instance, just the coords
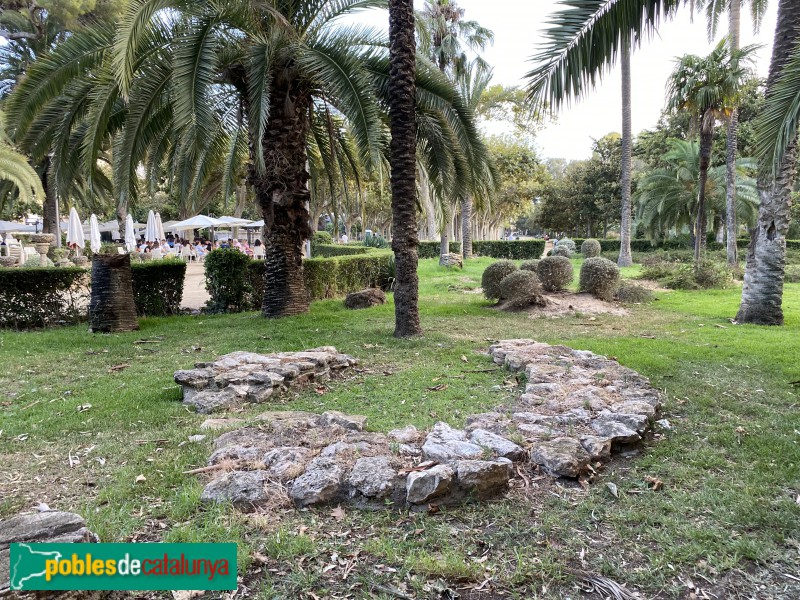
(8, 261)
(63, 262)
(42, 242)
(80, 261)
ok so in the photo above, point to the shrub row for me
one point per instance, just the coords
(328, 277)
(676, 244)
(509, 249)
(431, 249)
(158, 287)
(41, 297)
(330, 250)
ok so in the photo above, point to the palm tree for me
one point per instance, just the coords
(402, 52)
(776, 132)
(445, 38)
(707, 88)
(714, 11)
(584, 41)
(179, 89)
(666, 198)
(15, 169)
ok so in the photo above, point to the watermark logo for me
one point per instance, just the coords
(122, 567)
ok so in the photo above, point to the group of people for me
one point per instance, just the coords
(200, 246)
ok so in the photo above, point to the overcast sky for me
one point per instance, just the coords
(517, 25)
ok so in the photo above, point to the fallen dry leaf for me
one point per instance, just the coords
(140, 478)
(338, 513)
(464, 358)
(119, 367)
(438, 388)
(655, 482)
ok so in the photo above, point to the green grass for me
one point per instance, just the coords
(77, 433)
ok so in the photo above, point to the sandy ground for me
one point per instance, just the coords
(194, 288)
(567, 303)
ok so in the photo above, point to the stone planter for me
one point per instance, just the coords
(42, 238)
(42, 247)
(63, 262)
(80, 261)
(8, 261)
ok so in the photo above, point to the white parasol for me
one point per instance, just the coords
(130, 236)
(160, 228)
(94, 234)
(75, 230)
(151, 232)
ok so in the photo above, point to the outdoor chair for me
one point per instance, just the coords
(258, 252)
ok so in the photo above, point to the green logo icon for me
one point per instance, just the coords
(122, 567)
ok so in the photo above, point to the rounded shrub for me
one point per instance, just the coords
(562, 251)
(590, 248)
(599, 277)
(529, 265)
(632, 293)
(519, 284)
(555, 273)
(322, 237)
(566, 243)
(493, 275)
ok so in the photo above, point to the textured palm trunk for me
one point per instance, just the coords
(734, 12)
(283, 195)
(762, 292)
(466, 228)
(111, 306)
(50, 205)
(701, 224)
(625, 259)
(403, 127)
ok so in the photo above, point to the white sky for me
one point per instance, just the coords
(517, 25)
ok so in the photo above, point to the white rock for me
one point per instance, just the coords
(422, 486)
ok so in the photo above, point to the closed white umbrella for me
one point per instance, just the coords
(160, 227)
(151, 232)
(75, 230)
(130, 236)
(94, 234)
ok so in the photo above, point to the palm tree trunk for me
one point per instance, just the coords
(282, 193)
(403, 127)
(50, 206)
(762, 292)
(466, 227)
(111, 307)
(625, 259)
(706, 139)
(731, 143)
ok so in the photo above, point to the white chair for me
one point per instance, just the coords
(155, 254)
(121, 250)
(15, 251)
(258, 252)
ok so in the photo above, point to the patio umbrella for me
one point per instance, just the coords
(94, 234)
(160, 227)
(198, 222)
(130, 236)
(254, 224)
(75, 230)
(234, 221)
(151, 233)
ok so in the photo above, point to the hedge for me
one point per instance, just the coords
(509, 249)
(226, 280)
(42, 297)
(641, 245)
(158, 287)
(331, 277)
(330, 250)
(432, 249)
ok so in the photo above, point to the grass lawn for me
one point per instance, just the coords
(82, 416)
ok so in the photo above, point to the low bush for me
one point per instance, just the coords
(321, 237)
(330, 277)
(493, 275)
(521, 289)
(158, 287)
(707, 274)
(42, 297)
(509, 249)
(599, 277)
(529, 265)
(792, 274)
(227, 281)
(566, 243)
(562, 251)
(591, 248)
(375, 241)
(632, 293)
(555, 273)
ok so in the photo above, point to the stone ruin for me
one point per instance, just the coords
(577, 410)
(245, 377)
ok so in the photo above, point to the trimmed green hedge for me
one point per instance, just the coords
(431, 249)
(509, 249)
(331, 277)
(226, 281)
(678, 244)
(41, 297)
(158, 287)
(330, 250)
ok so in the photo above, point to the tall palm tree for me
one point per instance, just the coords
(776, 133)
(402, 52)
(445, 38)
(584, 40)
(666, 198)
(715, 10)
(708, 89)
(15, 169)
